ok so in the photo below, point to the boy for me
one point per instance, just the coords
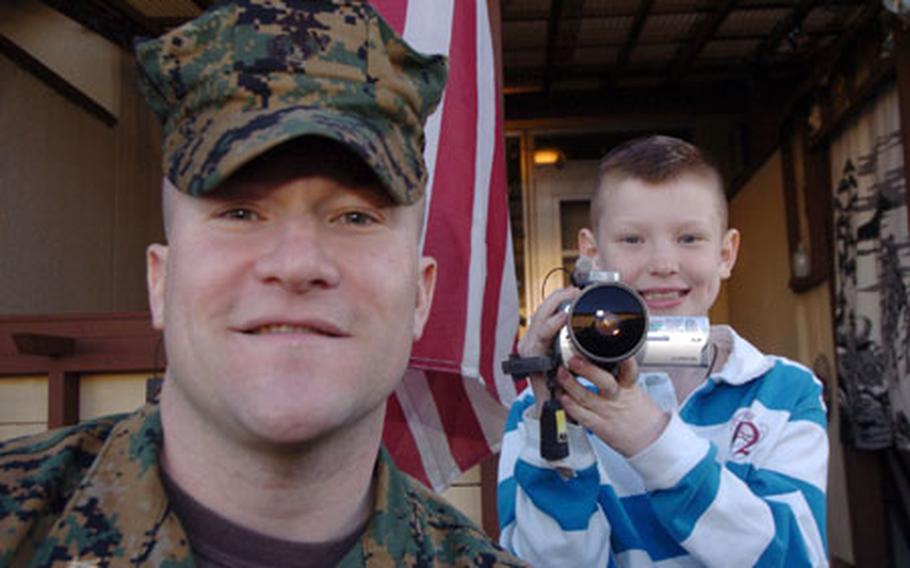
(724, 466)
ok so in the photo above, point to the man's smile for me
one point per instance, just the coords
(305, 327)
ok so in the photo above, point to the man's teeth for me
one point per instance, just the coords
(668, 295)
(281, 328)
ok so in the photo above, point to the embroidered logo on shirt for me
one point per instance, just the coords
(746, 434)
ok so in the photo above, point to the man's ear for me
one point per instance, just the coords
(426, 285)
(156, 277)
(587, 244)
(729, 249)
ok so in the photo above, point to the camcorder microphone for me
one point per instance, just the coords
(607, 323)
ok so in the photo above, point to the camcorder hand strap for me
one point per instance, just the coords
(554, 435)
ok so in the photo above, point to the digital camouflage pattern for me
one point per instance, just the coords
(91, 495)
(249, 75)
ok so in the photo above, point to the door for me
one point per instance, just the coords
(558, 206)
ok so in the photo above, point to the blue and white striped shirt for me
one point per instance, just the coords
(737, 478)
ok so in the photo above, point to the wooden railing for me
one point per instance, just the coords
(65, 347)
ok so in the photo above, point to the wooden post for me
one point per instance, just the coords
(488, 476)
(62, 399)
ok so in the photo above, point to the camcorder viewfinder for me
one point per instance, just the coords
(607, 323)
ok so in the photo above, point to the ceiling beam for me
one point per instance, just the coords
(717, 97)
(595, 70)
(825, 63)
(134, 14)
(689, 52)
(644, 9)
(559, 9)
(552, 34)
(104, 19)
(661, 9)
(780, 30)
(656, 42)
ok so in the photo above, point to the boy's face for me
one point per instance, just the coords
(289, 303)
(668, 241)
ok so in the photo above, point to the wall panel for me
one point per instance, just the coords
(78, 198)
(23, 406)
(100, 395)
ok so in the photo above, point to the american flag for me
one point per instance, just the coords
(448, 413)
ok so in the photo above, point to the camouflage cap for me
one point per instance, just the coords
(248, 75)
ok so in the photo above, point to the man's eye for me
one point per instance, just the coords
(630, 239)
(241, 214)
(359, 218)
(690, 239)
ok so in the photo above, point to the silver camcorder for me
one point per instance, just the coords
(609, 322)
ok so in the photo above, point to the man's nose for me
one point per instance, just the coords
(298, 257)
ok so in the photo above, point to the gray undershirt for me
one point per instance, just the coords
(219, 543)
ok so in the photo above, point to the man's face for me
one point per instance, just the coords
(667, 241)
(289, 302)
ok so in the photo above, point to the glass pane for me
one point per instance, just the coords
(573, 216)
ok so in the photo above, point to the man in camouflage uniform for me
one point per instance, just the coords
(289, 293)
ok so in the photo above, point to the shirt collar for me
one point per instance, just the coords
(120, 510)
(744, 361)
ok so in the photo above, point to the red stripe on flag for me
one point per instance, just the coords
(449, 222)
(466, 440)
(395, 12)
(497, 230)
(398, 440)
(497, 241)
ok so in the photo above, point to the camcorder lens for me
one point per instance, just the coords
(608, 322)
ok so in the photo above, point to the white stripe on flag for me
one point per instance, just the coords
(419, 407)
(428, 29)
(428, 26)
(483, 160)
(490, 414)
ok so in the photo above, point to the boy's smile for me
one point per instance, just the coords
(663, 298)
(666, 240)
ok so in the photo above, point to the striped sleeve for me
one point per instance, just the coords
(767, 500)
(547, 518)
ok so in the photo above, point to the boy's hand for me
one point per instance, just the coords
(536, 342)
(621, 414)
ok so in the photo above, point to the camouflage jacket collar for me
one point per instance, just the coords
(120, 508)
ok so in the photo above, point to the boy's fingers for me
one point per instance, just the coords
(607, 386)
(579, 412)
(627, 374)
(551, 303)
(605, 382)
(550, 326)
(545, 323)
